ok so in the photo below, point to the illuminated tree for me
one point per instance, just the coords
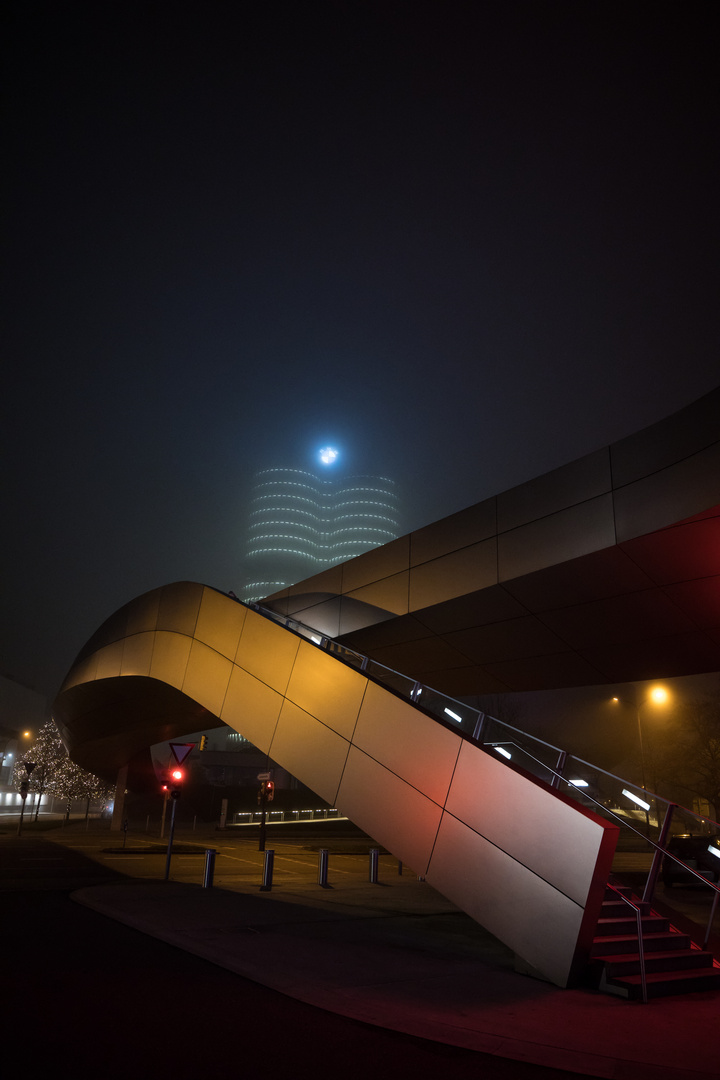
(56, 774)
(47, 753)
(71, 783)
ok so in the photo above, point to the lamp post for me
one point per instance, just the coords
(658, 695)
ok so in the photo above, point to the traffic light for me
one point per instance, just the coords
(203, 741)
(270, 790)
(261, 792)
(176, 778)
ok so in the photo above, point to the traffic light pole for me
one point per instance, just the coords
(262, 799)
(170, 840)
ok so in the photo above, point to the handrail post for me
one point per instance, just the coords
(641, 956)
(479, 727)
(559, 769)
(658, 856)
(713, 909)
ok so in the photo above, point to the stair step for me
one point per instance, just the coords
(612, 908)
(667, 983)
(650, 924)
(609, 944)
(665, 960)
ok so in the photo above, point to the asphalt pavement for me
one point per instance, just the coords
(394, 954)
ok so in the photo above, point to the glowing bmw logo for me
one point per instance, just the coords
(328, 454)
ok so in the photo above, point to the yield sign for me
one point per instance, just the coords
(181, 750)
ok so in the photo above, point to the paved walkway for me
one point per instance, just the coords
(400, 956)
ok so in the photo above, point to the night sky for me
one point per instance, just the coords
(466, 243)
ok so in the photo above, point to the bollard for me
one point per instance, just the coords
(323, 867)
(374, 853)
(210, 854)
(268, 871)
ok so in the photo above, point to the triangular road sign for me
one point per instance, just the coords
(181, 750)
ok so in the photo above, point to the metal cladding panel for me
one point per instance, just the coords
(452, 533)
(327, 689)
(318, 609)
(109, 660)
(179, 607)
(527, 821)
(251, 708)
(418, 658)
(354, 615)
(267, 650)
(206, 677)
(601, 574)
(542, 672)
(480, 608)
(565, 535)
(390, 593)
(518, 906)
(374, 565)
(137, 654)
(664, 498)
(567, 486)
(170, 657)
(391, 811)
(142, 614)
(509, 639)
(327, 581)
(671, 440)
(687, 551)
(618, 619)
(220, 624)
(410, 744)
(310, 750)
(455, 574)
(700, 600)
(82, 671)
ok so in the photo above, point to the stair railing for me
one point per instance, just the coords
(641, 944)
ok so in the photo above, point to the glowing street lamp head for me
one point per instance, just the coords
(328, 455)
(659, 695)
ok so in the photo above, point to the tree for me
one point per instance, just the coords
(687, 754)
(71, 783)
(56, 774)
(47, 753)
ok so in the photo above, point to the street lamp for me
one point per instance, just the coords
(657, 695)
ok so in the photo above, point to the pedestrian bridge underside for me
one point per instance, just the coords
(519, 857)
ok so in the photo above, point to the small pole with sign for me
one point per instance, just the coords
(179, 751)
(24, 788)
(265, 784)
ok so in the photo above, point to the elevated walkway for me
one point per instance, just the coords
(524, 860)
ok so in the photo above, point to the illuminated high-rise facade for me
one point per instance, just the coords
(301, 522)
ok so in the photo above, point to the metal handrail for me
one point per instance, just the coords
(475, 734)
(641, 943)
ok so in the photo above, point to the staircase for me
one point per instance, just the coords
(673, 963)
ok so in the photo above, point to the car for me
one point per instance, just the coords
(693, 851)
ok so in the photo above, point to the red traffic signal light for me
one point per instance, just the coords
(270, 790)
(175, 782)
